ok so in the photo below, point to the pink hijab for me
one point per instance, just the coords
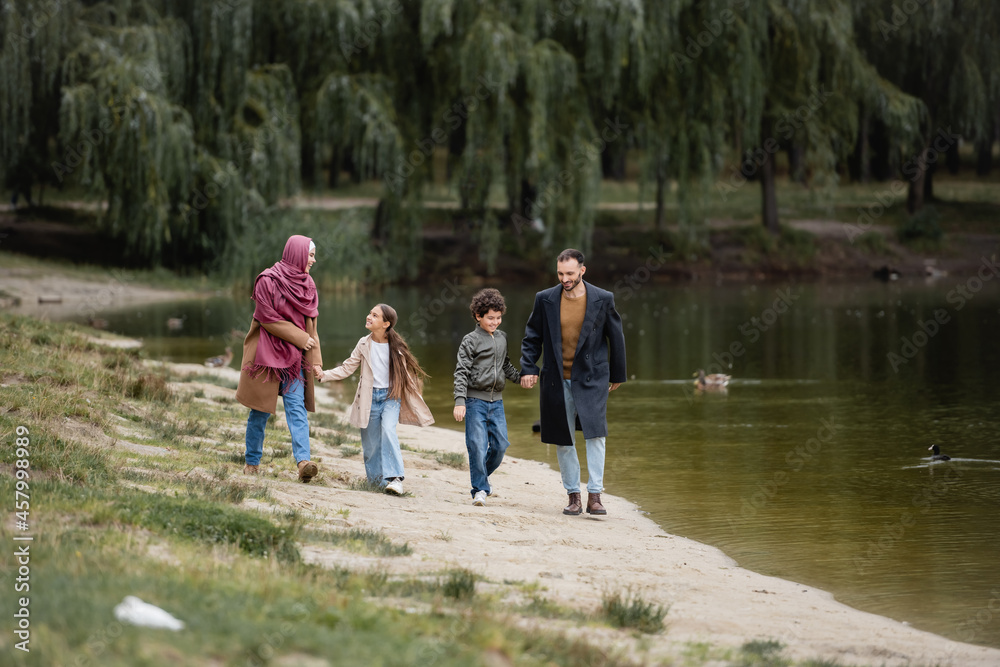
(284, 293)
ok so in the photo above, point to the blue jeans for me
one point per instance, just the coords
(486, 440)
(379, 442)
(293, 397)
(569, 462)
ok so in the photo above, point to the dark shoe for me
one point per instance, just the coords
(307, 470)
(251, 470)
(594, 505)
(574, 506)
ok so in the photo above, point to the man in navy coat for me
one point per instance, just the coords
(577, 332)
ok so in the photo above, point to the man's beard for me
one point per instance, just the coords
(573, 286)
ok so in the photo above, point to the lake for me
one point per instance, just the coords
(813, 467)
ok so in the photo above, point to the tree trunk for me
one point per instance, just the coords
(984, 157)
(769, 198)
(796, 163)
(860, 163)
(661, 186)
(952, 159)
(307, 156)
(333, 178)
(929, 183)
(915, 193)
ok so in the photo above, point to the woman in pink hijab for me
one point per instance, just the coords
(281, 352)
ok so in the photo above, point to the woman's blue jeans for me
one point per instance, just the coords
(486, 440)
(379, 441)
(293, 397)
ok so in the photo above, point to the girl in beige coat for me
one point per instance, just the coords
(388, 393)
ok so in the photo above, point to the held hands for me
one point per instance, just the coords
(459, 412)
(528, 381)
(309, 343)
(318, 372)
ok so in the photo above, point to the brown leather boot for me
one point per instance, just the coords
(574, 506)
(594, 505)
(307, 470)
(251, 470)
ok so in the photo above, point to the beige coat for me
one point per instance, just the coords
(412, 409)
(259, 395)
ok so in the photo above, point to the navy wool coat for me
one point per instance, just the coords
(599, 360)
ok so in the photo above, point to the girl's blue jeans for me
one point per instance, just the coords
(379, 441)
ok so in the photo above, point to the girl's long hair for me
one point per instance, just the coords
(405, 374)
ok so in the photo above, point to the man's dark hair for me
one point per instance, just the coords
(486, 300)
(570, 253)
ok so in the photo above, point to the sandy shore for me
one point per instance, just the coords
(35, 292)
(522, 536)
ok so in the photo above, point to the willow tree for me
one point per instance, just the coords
(34, 38)
(945, 53)
(808, 85)
(161, 114)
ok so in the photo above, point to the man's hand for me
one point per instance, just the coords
(614, 385)
(528, 381)
(459, 412)
(309, 343)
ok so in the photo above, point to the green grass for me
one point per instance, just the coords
(452, 459)
(361, 540)
(628, 610)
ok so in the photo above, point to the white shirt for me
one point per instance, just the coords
(380, 364)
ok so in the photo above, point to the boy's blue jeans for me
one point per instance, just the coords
(486, 440)
(293, 397)
(379, 442)
(569, 462)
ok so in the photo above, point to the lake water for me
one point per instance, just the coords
(814, 467)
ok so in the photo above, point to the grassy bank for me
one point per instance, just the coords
(135, 489)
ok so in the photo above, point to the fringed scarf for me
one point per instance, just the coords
(283, 293)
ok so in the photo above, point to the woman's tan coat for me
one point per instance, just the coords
(412, 409)
(259, 395)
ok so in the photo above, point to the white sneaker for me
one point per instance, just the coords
(480, 499)
(395, 487)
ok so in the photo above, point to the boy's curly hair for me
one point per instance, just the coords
(486, 300)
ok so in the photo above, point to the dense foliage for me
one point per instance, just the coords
(194, 118)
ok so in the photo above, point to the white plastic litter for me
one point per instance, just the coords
(134, 611)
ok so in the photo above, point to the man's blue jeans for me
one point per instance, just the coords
(569, 462)
(293, 397)
(486, 440)
(379, 441)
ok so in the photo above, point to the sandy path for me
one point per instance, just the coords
(522, 536)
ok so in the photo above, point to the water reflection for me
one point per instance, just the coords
(814, 467)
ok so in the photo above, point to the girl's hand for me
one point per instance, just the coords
(318, 372)
(459, 413)
(309, 343)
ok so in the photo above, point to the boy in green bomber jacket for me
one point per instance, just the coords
(479, 380)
